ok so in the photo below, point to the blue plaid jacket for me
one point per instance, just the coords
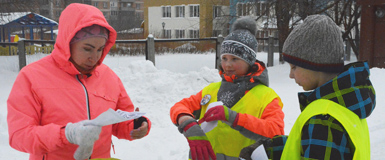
(323, 137)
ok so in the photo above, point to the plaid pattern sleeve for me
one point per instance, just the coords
(274, 148)
(323, 137)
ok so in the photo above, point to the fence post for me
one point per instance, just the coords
(270, 54)
(347, 50)
(150, 49)
(218, 51)
(22, 58)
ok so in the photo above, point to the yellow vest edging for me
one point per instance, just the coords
(253, 103)
(357, 129)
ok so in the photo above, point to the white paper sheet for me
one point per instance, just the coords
(259, 153)
(111, 117)
(208, 126)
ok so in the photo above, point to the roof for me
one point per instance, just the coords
(27, 19)
(133, 30)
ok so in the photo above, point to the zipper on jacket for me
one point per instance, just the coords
(113, 146)
(87, 100)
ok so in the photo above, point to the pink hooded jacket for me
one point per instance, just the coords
(49, 93)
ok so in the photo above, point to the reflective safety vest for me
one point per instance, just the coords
(225, 140)
(357, 129)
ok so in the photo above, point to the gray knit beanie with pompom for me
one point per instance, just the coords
(241, 41)
(316, 44)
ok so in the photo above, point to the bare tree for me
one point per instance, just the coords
(284, 10)
(344, 12)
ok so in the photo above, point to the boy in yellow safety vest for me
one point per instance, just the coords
(338, 100)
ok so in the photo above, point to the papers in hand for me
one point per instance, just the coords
(111, 117)
(208, 126)
(259, 153)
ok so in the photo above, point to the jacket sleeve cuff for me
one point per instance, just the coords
(63, 136)
(149, 125)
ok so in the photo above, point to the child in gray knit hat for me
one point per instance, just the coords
(332, 124)
(242, 104)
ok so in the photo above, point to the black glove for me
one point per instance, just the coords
(247, 151)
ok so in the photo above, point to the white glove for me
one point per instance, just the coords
(83, 152)
(84, 136)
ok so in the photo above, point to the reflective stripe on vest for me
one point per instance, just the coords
(357, 129)
(223, 138)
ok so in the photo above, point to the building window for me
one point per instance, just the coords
(194, 11)
(167, 33)
(129, 5)
(105, 5)
(179, 11)
(87, 2)
(194, 33)
(57, 2)
(217, 11)
(96, 4)
(166, 11)
(113, 4)
(138, 6)
(114, 13)
(245, 9)
(179, 33)
(262, 9)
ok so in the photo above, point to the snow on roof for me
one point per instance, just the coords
(133, 30)
(25, 18)
(9, 17)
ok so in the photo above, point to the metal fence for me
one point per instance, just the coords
(21, 49)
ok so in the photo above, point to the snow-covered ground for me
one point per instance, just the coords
(154, 89)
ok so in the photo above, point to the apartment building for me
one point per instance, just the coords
(104, 6)
(53, 8)
(139, 9)
(186, 18)
(110, 8)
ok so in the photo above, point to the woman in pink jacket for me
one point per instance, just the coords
(53, 98)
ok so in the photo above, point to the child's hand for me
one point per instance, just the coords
(222, 113)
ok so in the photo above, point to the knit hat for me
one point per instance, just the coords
(316, 44)
(91, 31)
(241, 41)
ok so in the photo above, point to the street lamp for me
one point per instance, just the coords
(163, 24)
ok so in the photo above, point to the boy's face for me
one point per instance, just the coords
(233, 65)
(308, 79)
